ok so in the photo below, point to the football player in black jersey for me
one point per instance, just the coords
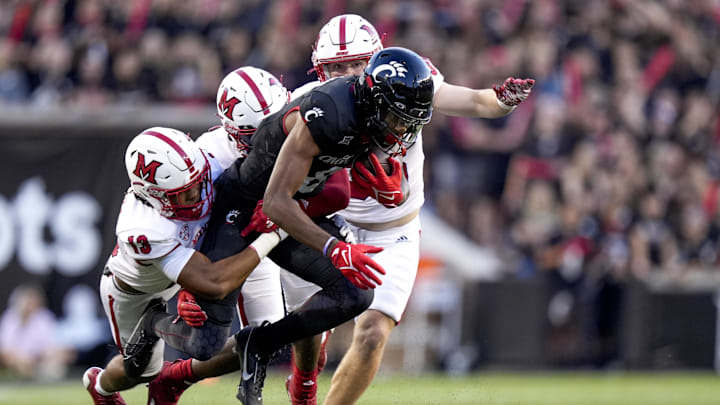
(294, 152)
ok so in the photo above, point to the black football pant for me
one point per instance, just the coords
(337, 302)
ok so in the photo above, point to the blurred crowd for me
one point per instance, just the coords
(610, 171)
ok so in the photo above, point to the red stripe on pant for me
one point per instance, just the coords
(116, 330)
(241, 311)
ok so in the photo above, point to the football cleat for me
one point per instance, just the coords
(302, 394)
(166, 388)
(89, 381)
(254, 368)
(139, 348)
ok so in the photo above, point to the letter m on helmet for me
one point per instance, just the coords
(146, 172)
(227, 105)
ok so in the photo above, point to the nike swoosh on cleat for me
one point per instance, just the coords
(245, 375)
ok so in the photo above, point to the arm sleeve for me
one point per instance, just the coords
(321, 116)
(172, 264)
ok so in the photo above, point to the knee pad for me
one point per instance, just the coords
(221, 312)
(207, 340)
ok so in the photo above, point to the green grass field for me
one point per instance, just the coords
(491, 389)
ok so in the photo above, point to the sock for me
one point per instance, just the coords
(98, 388)
(182, 370)
(300, 376)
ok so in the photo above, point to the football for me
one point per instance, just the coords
(382, 157)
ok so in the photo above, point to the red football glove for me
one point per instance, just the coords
(354, 264)
(513, 91)
(259, 222)
(189, 310)
(387, 190)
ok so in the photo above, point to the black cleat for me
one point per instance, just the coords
(139, 348)
(254, 368)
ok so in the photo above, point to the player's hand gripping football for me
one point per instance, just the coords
(387, 189)
(354, 264)
(513, 92)
(189, 310)
(259, 222)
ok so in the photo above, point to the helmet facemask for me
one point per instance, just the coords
(189, 202)
(396, 132)
(240, 136)
(322, 67)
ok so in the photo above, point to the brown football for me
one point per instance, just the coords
(386, 165)
(382, 157)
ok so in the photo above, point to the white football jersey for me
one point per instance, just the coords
(220, 145)
(152, 249)
(369, 210)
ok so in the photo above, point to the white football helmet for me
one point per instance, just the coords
(163, 164)
(244, 98)
(344, 38)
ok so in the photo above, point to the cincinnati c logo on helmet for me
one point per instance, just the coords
(227, 105)
(395, 68)
(146, 171)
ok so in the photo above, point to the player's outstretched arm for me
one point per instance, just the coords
(502, 99)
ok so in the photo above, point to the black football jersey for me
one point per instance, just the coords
(329, 112)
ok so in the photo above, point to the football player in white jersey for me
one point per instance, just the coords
(162, 219)
(343, 47)
(244, 98)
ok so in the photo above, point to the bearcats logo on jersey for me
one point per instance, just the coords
(315, 112)
(146, 171)
(227, 105)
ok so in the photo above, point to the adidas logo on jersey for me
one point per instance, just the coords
(402, 238)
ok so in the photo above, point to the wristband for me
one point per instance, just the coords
(505, 106)
(265, 243)
(327, 244)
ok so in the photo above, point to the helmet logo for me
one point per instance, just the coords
(227, 105)
(395, 68)
(315, 112)
(146, 172)
(370, 30)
